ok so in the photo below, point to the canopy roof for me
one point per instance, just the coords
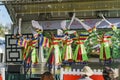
(60, 9)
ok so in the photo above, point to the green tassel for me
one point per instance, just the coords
(34, 56)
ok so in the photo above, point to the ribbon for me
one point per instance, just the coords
(34, 56)
(20, 20)
(41, 39)
(112, 25)
(73, 17)
(105, 50)
(88, 28)
(45, 42)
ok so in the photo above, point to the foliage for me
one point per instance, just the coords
(116, 44)
(1, 30)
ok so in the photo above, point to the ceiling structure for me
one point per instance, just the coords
(43, 10)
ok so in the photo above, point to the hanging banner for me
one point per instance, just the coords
(76, 25)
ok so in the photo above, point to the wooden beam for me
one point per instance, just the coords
(67, 7)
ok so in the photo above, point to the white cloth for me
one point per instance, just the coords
(87, 70)
(36, 25)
